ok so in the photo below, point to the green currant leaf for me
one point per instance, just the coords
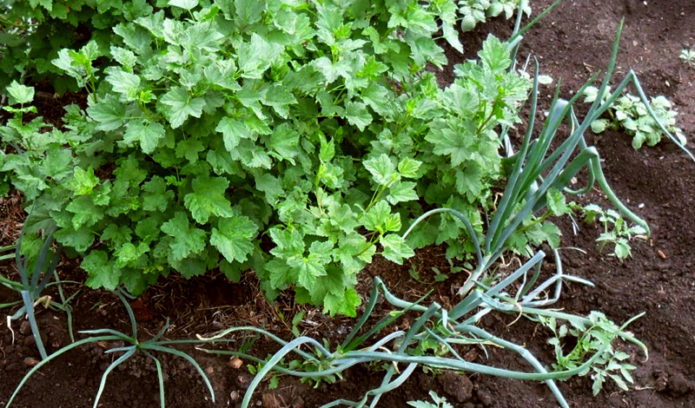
(231, 271)
(101, 271)
(381, 169)
(146, 132)
(557, 204)
(344, 303)
(83, 181)
(129, 253)
(118, 235)
(124, 83)
(187, 240)
(20, 94)
(233, 130)
(109, 113)
(208, 199)
(312, 266)
(408, 167)
(156, 197)
(81, 239)
(357, 114)
(395, 248)
(181, 106)
(249, 11)
(184, 4)
(256, 56)
(285, 142)
(86, 214)
(233, 237)
(495, 54)
(401, 192)
(281, 275)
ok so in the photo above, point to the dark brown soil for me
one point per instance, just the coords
(571, 44)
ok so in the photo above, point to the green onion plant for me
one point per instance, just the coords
(149, 348)
(34, 278)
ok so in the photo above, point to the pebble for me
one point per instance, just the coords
(243, 381)
(236, 363)
(31, 361)
(25, 328)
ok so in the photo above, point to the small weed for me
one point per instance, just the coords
(630, 114)
(616, 230)
(437, 402)
(688, 56)
(594, 338)
(439, 276)
(478, 11)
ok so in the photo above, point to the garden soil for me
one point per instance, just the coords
(571, 44)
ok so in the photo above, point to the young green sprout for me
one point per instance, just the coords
(688, 56)
(630, 114)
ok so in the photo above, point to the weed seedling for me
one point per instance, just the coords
(631, 114)
(688, 56)
(616, 231)
(437, 402)
(598, 330)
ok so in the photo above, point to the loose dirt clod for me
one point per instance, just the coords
(458, 387)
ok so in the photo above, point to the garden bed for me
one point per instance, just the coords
(571, 43)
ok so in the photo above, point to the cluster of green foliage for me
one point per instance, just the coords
(630, 114)
(437, 402)
(590, 339)
(616, 230)
(474, 12)
(283, 136)
(688, 56)
(292, 138)
(33, 31)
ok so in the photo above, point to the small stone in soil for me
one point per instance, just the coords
(25, 328)
(234, 395)
(236, 363)
(31, 361)
(243, 381)
(484, 397)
